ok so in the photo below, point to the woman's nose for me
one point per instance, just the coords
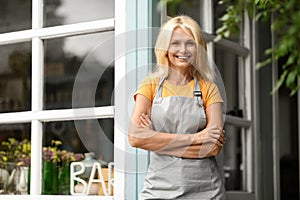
(182, 48)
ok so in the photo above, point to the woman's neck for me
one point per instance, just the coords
(179, 78)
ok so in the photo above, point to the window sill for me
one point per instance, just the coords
(54, 197)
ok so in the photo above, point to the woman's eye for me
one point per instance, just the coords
(174, 43)
(190, 43)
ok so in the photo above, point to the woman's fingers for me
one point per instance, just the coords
(145, 120)
(214, 135)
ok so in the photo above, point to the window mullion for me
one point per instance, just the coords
(36, 125)
(37, 100)
(58, 31)
(248, 104)
(120, 102)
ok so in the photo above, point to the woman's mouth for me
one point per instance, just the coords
(182, 57)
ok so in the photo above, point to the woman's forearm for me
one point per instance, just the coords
(158, 141)
(194, 151)
(180, 145)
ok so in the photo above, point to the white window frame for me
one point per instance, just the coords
(138, 57)
(37, 116)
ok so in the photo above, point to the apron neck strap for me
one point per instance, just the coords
(196, 84)
(159, 89)
(197, 92)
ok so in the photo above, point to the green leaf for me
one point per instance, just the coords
(294, 91)
(263, 63)
(225, 17)
(291, 79)
(269, 51)
(280, 82)
(290, 61)
(219, 37)
(227, 33)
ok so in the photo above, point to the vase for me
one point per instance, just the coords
(4, 176)
(13, 178)
(50, 178)
(88, 162)
(22, 184)
(64, 179)
(11, 185)
(28, 180)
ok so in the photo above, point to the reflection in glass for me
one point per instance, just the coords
(15, 152)
(190, 8)
(15, 77)
(17, 131)
(64, 141)
(15, 15)
(60, 12)
(83, 136)
(79, 71)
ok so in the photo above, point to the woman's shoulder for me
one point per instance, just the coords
(210, 92)
(149, 83)
(148, 87)
(206, 85)
(151, 79)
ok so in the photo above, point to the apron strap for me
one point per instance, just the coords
(159, 89)
(197, 92)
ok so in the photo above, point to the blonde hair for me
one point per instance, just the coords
(201, 68)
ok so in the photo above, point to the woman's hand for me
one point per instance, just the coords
(211, 141)
(206, 143)
(212, 134)
(146, 121)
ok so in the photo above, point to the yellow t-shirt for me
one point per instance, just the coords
(210, 91)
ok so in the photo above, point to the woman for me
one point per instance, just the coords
(178, 117)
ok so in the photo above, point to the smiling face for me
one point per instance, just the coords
(182, 49)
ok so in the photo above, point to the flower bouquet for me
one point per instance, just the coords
(14, 162)
(56, 168)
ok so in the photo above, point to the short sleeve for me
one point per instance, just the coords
(210, 93)
(147, 88)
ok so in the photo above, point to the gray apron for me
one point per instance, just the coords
(171, 177)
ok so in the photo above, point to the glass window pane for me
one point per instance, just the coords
(82, 136)
(220, 10)
(228, 66)
(233, 165)
(15, 15)
(15, 77)
(79, 137)
(15, 152)
(190, 8)
(60, 12)
(193, 9)
(79, 71)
